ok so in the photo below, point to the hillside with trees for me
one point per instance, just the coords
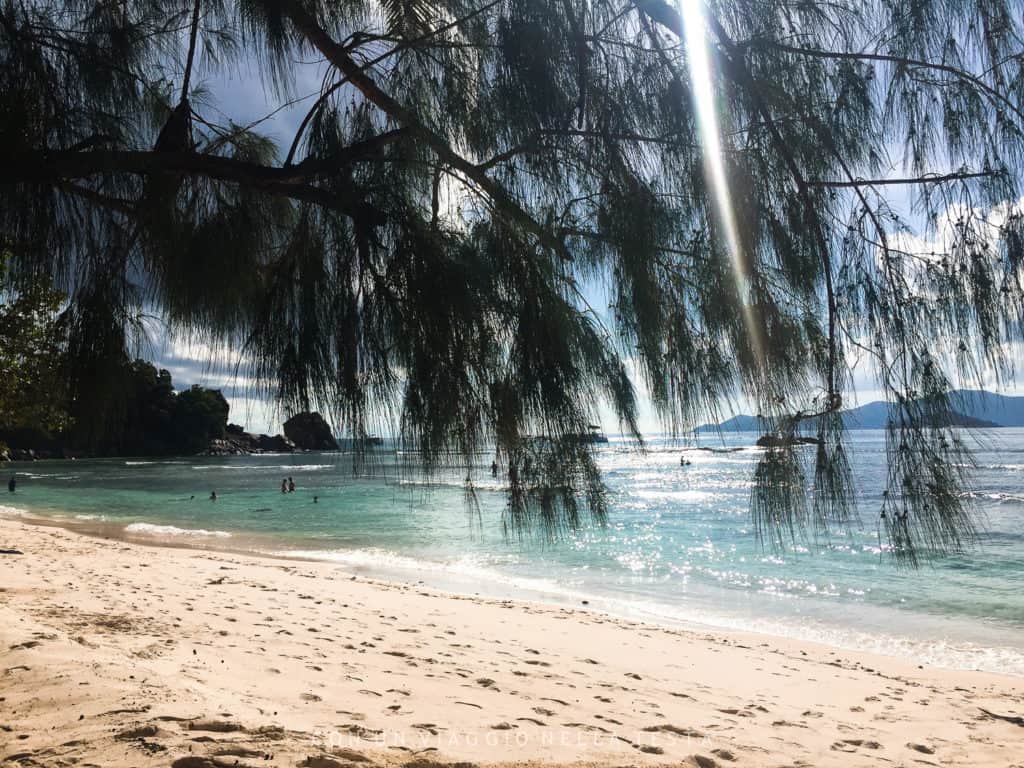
(41, 410)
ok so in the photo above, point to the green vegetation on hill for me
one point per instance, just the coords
(138, 413)
(33, 393)
(144, 416)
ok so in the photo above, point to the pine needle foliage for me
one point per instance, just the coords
(425, 250)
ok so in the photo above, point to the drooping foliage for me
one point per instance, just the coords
(33, 396)
(472, 176)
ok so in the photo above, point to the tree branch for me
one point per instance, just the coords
(499, 197)
(664, 14)
(294, 182)
(192, 40)
(929, 178)
(960, 74)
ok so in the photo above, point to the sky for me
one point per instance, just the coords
(219, 369)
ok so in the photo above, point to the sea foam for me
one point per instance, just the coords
(151, 529)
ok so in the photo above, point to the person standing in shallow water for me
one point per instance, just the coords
(213, 495)
(284, 485)
(12, 485)
(291, 485)
(494, 469)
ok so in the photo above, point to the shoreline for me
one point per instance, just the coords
(440, 578)
(198, 651)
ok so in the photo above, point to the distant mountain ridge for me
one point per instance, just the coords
(972, 408)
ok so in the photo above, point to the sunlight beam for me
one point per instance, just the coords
(702, 92)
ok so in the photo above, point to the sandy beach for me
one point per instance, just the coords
(120, 654)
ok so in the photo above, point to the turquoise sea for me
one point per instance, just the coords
(679, 548)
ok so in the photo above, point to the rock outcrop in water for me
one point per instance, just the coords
(311, 432)
(238, 442)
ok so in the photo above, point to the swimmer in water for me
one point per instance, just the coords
(213, 495)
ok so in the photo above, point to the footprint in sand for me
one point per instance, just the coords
(353, 715)
(367, 734)
(839, 745)
(431, 728)
(587, 727)
(674, 729)
(241, 751)
(649, 749)
(214, 726)
(139, 732)
(322, 761)
(533, 720)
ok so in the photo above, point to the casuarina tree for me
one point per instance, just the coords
(496, 217)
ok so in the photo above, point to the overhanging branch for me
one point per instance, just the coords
(499, 197)
(929, 178)
(295, 182)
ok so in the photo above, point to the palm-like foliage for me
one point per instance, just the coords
(423, 250)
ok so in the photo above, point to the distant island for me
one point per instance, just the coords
(973, 408)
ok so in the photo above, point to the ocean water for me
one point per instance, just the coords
(679, 547)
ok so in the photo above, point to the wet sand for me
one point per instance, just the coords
(120, 654)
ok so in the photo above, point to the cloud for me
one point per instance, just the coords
(241, 96)
(984, 225)
(217, 367)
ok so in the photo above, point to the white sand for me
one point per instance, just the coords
(119, 654)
